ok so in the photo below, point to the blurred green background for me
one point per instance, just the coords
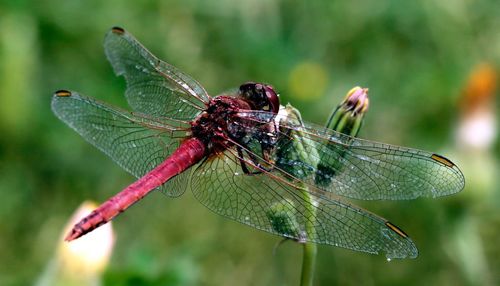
(429, 66)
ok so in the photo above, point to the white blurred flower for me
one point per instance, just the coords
(477, 130)
(90, 252)
(82, 261)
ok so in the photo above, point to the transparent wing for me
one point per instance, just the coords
(356, 168)
(153, 86)
(269, 202)
(134, 141)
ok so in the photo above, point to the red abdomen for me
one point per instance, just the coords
(189, 153)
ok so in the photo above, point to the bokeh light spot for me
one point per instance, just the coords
(307, 81)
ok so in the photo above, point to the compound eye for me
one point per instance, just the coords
(247, 87)
(261, 96)
(253, 92)
(272, 98)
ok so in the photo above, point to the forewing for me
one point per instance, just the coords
(136, 142)
(356, 168)
(369, 170)
(269, 202)
(153, 86)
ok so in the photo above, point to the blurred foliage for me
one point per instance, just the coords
(415, 56)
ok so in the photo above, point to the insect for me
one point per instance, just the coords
(245, 158)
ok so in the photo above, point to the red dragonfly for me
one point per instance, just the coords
(245, 158)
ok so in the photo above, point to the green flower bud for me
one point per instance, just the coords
(348, 115)
(294, 153)
(282, 217)
(347, 118)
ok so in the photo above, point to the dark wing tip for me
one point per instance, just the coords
(118, 30)
(396, 229)
(62, 93)
(442, 160)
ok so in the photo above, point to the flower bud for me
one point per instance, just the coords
(295, 154)
(282, 216)
(348, 115)
(347, 118)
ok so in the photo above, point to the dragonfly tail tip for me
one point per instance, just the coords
(74, 234)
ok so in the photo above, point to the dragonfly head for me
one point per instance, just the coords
(260, 96)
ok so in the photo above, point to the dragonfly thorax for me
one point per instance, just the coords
(215, 125)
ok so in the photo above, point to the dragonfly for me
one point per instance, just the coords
(238, 153)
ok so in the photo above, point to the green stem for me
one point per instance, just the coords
(310, 249)
(308, 264)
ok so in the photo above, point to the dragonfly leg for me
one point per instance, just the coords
(244, 164)
(254, 160)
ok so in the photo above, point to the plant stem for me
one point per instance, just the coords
(308, 264)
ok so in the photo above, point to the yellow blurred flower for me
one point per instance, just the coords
(307, 81)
